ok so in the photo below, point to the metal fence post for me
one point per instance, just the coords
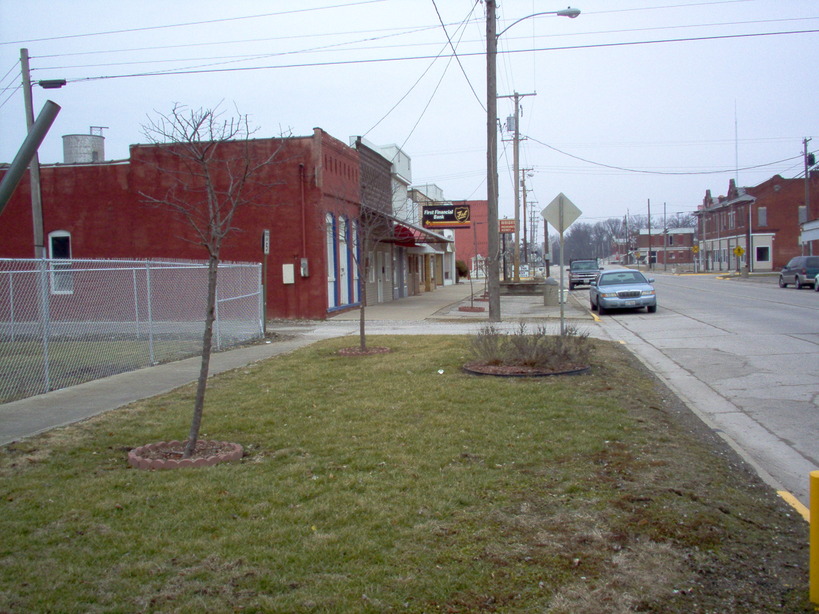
(11, 304)
(262, 314)
(136, 301)
(216, 320)
(45, 319)
(149, 306)
(814, 537)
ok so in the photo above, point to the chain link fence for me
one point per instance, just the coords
(64, 322)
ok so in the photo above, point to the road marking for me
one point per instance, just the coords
(795, 504)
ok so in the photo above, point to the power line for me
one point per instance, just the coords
(190, 23)
(428, 57)
(443, 26)
(650, 172)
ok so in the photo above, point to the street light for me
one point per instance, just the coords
(493, 243)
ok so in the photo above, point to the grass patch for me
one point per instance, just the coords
(379, 484)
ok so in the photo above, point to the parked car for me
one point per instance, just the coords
(800, 271)
(816, 283)
(583, 272)
(622, 289)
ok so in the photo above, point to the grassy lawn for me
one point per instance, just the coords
(398, 483)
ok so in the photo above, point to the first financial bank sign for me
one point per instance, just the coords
(446, 216)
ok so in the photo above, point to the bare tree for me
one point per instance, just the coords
(211, 173)
(368, 228)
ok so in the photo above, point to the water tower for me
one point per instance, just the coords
(84, 148)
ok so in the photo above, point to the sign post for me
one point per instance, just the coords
(265, 252)
(561, 213)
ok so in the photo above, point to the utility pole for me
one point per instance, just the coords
(805, 142)
(516, 175)
(493, 232)
(665, 239)
(649, 234)
(523, 172)
(34, 167)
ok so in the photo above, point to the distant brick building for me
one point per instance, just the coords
(765, 221)
(471, 244)
(671, 248)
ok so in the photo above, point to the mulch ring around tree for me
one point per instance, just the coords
(168, 454)
(477, 368)
(357, 351)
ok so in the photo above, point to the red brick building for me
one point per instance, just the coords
(471, 244)
(672, 248)
(312, 200)
(765, 221)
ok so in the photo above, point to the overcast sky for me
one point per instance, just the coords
(635, 100)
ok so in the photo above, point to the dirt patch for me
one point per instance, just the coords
(169, 454)
(478, 368)
(675, 545)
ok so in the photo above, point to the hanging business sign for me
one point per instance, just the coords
(507, 227)
(446, 216)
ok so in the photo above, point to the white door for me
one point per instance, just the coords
(343, 262)
(331, 263)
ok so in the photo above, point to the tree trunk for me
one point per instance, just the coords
(362, 296)
(207, 344)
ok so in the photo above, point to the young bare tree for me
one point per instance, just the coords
(212, 174)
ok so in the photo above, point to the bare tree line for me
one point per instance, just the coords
(585, 241)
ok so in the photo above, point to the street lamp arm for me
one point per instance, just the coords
(567, 12)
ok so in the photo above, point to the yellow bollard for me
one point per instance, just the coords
(814, 536)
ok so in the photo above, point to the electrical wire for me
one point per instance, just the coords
(455, 53)
(11, 95)
(428, 57)
(191, 23)
(650, 172)
(417, 81)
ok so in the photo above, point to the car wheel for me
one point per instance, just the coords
(571, 287)
(600, 309)
(797, 283)
(782, 283)
(651, 308)
(592, 306)
(816, 286)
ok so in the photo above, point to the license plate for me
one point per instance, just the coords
(631, 303)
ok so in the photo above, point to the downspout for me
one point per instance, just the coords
(303, 206)
(303, 212)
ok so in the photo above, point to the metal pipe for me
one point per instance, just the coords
(27, 151)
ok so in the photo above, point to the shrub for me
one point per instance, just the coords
(537, 350)
(461, 269)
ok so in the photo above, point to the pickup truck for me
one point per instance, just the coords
(583, 272)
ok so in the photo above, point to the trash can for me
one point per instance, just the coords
(551, 292)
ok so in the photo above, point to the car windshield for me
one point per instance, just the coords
(621, 277)
(584, 266)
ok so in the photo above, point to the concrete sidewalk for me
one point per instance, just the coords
(444, 304)
(432, 312)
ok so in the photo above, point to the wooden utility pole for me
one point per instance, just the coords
(493, 232)
(516, 175)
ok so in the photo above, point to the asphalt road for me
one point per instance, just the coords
(745, 355)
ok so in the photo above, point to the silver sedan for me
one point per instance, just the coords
(622, 289)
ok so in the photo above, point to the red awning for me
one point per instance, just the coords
(404, 237)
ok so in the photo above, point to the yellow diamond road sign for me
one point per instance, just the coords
(561, 213)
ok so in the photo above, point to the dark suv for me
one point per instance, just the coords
(583, 272)
(800, 271)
